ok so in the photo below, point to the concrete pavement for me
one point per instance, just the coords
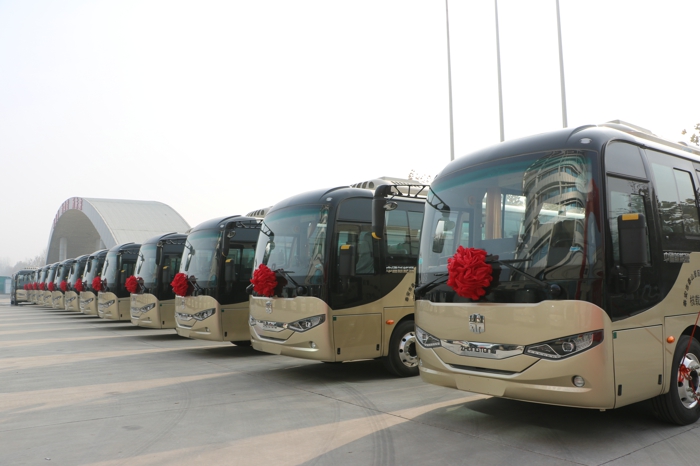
(78, 390)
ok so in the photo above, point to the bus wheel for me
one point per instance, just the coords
(241, 343)
(402, 360)
(680, 405)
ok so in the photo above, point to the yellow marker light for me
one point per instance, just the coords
(630, 217)
(374, 235)
(345, 246)
(390, 322)
(670, 339)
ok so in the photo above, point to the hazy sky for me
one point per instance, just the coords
(222, 107)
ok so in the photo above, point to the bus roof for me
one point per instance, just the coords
(586, 137)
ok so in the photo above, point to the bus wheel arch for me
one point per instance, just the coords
(401, 359)
(680, 405)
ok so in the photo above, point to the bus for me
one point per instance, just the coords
(215, 271)
(595, 307)
(48, 285)
(93, 276)
(152, 297)
(20, 286)
(34, 286)
(113, 299)
(74, 284)
(60, 284)
(343, 290)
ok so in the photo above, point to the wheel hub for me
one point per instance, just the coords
(689, 381)
(407, 350)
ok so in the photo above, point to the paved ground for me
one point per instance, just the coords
(77, 390)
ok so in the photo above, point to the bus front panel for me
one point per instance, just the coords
(549, 352)
(299, 327)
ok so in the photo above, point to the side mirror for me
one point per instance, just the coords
(634, 247)
(346, 261)
(379, 207)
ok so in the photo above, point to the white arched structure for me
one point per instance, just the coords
(84, 225)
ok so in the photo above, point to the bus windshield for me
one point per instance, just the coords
(200, 258)
(76, 271)
(94, 268)
(294, 240)
(532, 211)
(147, 266)
(110, 269)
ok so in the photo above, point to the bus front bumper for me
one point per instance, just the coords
(545, 381)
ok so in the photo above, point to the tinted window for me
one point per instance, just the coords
(625, 159)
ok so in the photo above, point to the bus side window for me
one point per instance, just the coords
(402, 236)
(678, 212)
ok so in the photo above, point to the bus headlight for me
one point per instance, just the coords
(564, 347)
(302, 325)
(201, 315)
(106, 304)
(426, 340)
(147, 307)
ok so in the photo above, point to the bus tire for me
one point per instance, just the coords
(676, 406)
(402, 360)
(241, 343)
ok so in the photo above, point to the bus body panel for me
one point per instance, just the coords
(148, 317)
(57, 300)
(44, 298)
(110, 307)
(228, 322)
(21, 296)
(71, 301)
(88, 303)
(287, 342)
(519, 376)
(360, 332)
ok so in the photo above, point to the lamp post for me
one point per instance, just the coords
(498, 64)
(561, 72)
(449, 83)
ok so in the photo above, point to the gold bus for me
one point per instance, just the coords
(216, 268)
(113, 299)
(60, 284)
(93, 276)
(34, 286)
(20, 286)
(562, 269)
(47, 285)
(340, 295)
(74, 284)
(152, 297)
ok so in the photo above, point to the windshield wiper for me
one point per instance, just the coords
(553, 289)
(287, 275)
(442, 277)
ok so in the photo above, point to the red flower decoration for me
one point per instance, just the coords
(468, 272)
(64, 286)
(52, 287)
(34, 286)
(181, 285)
(42, 286)
(26, 287)
(132, 284)
(97, 284)
(78, 286)
(264, 281)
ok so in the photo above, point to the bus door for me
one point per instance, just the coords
(356, 291)
(638, 351)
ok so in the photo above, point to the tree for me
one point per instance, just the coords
(695, 137)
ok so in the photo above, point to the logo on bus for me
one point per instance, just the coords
(268, 307)
(477, 323)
